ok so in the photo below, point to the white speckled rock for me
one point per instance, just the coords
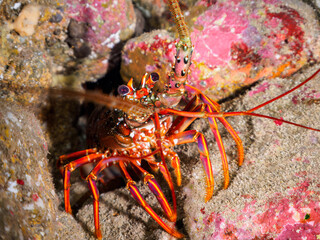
(28, 202)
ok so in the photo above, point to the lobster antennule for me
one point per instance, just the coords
(180, 23)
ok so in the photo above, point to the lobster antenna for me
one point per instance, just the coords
(114, 102)
(229, 114)
(284, 94)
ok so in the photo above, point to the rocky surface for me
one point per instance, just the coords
(28, 202)
(273, 195)
(236, 43)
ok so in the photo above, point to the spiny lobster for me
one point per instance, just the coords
(146, 127)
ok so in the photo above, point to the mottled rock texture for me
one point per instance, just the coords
(236, 43)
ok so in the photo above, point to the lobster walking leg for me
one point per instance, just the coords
(91, 179)
(79, 154)
(210, 106)
(175, 163)
(214, 127)
(235, 137)
(194, 136)
(95, 193)
(155, 188)
(70, 167)
(131, 185)
(166, 172)
(215, 108)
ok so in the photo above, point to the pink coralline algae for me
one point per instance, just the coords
(108, 23)
(239, 42)
(296, 216)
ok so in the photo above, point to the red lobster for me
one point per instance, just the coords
(147, 128)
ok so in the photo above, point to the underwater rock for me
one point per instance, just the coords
(150, 52)
(28, 203)
(27, 20)
(107, 25)
(236, 43)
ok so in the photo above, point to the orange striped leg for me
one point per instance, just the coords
(214, 127)
(236, 138)
(70, 167)
(175, 163)
(95, 193)
(131, 185)
(92, 178)
(159, 166)
(155, 188)
(74, 155)
(164, 170)
(194, 136)
(205, 99)
(181, 123)
(78, 154)
(215, 107)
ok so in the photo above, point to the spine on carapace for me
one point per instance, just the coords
(180, 23)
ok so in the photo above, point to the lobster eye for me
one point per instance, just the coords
(177, 85)
(183, 73)
(178, 59)
(123, 90)
(185, 60)
(155, 76)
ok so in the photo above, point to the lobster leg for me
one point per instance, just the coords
(74, 155)
(131, 185)
(165, 170)
(70, 167)
(210, 107)
(194, 136)
(155, 188)
(175, 163)
(181, 122)
(92, 178)
(160, 166)
(214, 127)
(215, 107)
(95, 193)
(236, 138)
